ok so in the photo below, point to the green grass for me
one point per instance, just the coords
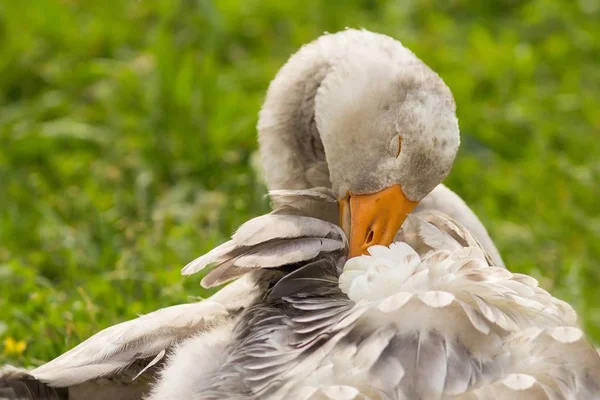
(127, 133)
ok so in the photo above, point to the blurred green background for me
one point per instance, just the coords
(127, 134)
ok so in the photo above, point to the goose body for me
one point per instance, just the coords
(436, 321)
(397, 324)
(356, 134)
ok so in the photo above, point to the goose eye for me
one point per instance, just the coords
(396, 145)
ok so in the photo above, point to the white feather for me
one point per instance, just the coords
(272, 226)
(525, 341)
(288, 253)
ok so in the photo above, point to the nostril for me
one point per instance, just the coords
(370, 237)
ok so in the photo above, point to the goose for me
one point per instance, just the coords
(355, 132)
(426, 318)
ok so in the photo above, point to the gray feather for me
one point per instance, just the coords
(319, 203)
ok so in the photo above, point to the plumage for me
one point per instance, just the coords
(451, 332)
(270, 241)
(106, 364)
(321, 203)
(272, 226)
(125, 358)
(395, 324)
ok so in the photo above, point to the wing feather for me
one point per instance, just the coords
(319, 203)
(269, 241)
(272, 226)
(113, 350)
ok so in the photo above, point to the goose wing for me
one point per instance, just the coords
(400, 325)
(124, 357)
(130, 347)
(269, 242)
(121, 361)
(108, 363)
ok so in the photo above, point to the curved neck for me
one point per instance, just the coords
(292, 152)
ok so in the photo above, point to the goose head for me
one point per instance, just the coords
(359, 113)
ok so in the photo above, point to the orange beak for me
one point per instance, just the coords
(370, 219)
